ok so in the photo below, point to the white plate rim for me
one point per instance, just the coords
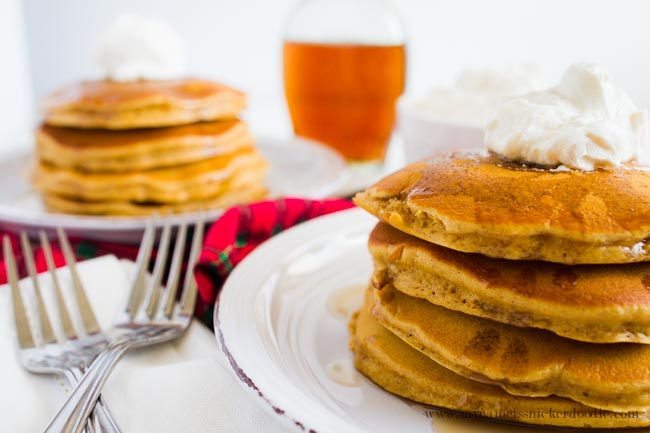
(259, 261)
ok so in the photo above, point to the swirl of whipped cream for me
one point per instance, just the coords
(584, 122)
(140, 48)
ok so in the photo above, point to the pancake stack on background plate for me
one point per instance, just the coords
(134, 148)
(512, 292)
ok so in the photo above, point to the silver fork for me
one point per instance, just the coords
(68, 358)
(152, 315)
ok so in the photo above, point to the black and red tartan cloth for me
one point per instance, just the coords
(231, 238)
(240, 230)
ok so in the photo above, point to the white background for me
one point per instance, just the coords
(239, 42)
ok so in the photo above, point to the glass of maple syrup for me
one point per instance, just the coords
(344, 69)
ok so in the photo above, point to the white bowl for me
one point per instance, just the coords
(423, 135)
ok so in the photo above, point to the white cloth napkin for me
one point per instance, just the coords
(184, 386)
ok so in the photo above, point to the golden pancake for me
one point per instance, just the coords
(141, 104)
(197, 181)
(604, 303)
(139, 149)
(402, 370)
(483, 204)
(523, 361)
(233, 195)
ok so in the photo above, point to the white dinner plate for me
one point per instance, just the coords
(276, 323)
(299, 168)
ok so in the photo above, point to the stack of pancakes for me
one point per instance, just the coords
(134, 148)
(512, 292)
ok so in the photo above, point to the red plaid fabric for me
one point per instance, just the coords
(231, 238)
(240, 230)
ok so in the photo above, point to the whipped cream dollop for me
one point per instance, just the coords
(141, 48)
(584, 122)
(474, 97)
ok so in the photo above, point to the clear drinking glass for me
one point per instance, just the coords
(344, 68)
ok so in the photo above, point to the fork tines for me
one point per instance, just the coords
(150, 298)
(88, 319)
(23, 330)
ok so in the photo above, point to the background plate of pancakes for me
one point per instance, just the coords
(109, 154)
(282, 320)
(297, 167)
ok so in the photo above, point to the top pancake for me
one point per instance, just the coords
(483, 204)
(141, 104)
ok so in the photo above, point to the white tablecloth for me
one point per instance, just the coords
(184, 386)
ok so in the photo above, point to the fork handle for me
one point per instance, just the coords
(73, 376)
(72, 417)
(101, 414)
(105, 418)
